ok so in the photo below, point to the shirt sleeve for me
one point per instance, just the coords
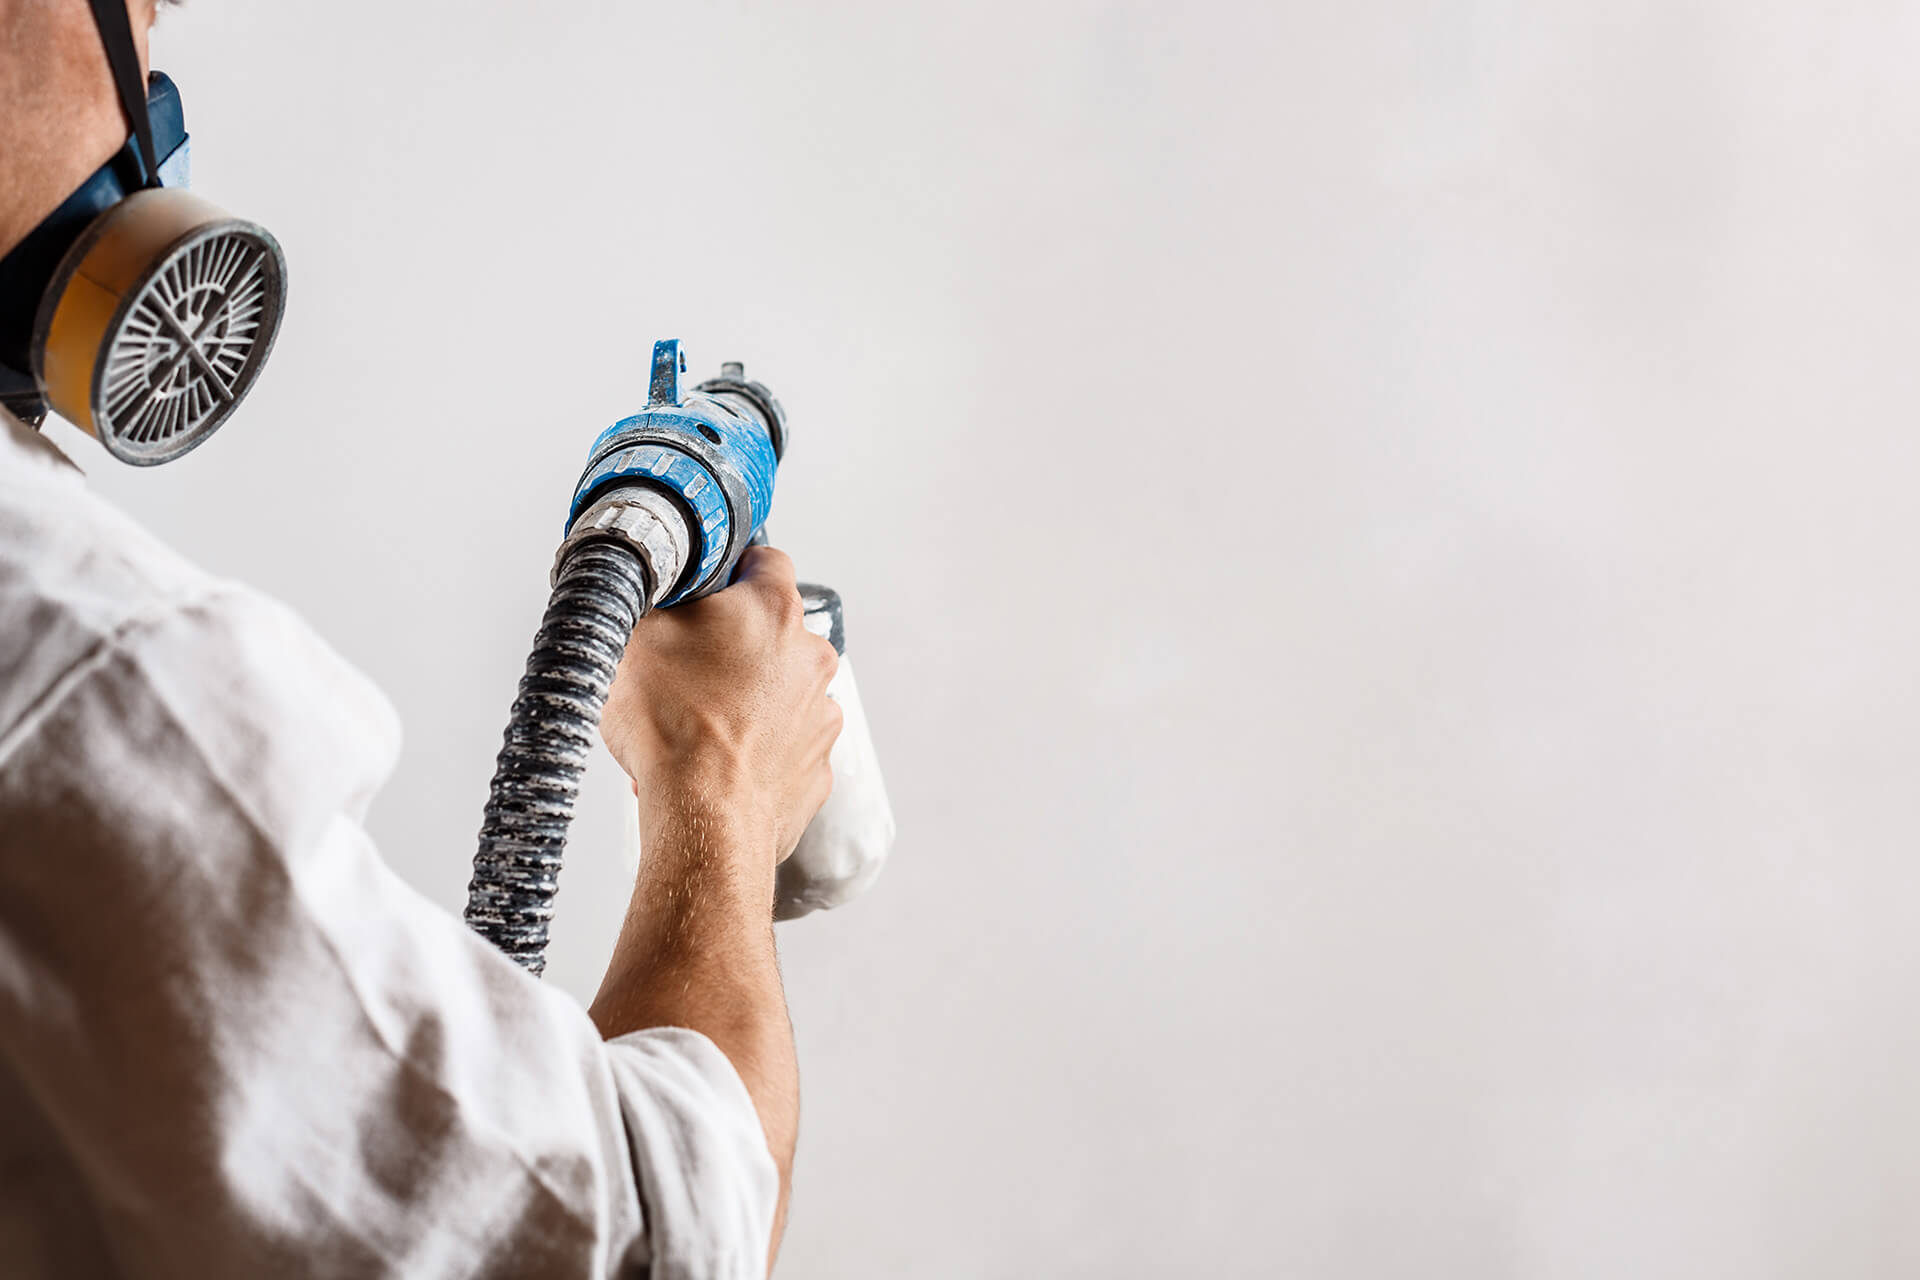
(265, 1053)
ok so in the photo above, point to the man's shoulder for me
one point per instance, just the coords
(74, 569)
(90, 600)
(55, 528)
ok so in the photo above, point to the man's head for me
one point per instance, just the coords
(131, 307)
(60, 118)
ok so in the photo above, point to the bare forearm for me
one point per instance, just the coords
(720, 714)
(697, 951)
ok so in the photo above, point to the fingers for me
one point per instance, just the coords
(816, 784)
(826, 661)
(767, 574)
(825, 722)
(820, 792)
(819, 787)
(764, 578)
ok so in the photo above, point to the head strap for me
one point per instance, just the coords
(116, 33)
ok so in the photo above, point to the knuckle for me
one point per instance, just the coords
(772, 560)
(784, 604)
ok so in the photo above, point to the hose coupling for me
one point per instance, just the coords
(647, 522)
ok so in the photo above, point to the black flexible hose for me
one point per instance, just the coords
(601, 593)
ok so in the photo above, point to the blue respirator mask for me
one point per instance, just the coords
(137, 311)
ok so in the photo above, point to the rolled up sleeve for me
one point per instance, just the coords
(265, 1053)
(705, 1172)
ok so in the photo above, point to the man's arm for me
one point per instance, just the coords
(243, 1040)
(720, 715)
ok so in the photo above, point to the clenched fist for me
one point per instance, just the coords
(720, 707)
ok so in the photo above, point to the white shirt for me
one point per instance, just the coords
(232, 1041)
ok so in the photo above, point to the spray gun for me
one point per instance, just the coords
(670, 499)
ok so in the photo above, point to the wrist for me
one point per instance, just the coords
(704, 889)
(706, 817)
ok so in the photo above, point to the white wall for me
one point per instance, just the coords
(1380, 544)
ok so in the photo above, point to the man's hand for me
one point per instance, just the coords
(720, 715)
(724, 701)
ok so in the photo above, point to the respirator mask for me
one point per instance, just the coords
(137, 311)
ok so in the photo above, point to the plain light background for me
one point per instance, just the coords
(1380, 552)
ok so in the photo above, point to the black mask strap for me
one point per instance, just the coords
(116, 33)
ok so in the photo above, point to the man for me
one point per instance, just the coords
(232, 1041)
